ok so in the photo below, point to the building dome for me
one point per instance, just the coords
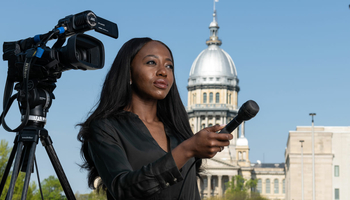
(213, 62)
(242, 141)
(213, 65)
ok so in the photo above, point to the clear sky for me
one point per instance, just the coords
(292, 58)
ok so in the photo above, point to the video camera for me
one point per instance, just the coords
(82, 51)
(36, 67)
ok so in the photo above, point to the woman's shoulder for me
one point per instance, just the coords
(113, 121)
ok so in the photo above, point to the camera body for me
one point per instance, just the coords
(82, 51)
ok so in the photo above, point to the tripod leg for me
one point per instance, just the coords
(8, 167)
(15, 171)
(47, 143)
(28, 170)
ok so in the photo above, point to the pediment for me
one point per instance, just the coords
(216, 163)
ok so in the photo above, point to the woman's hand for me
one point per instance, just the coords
(207, 142)
(204, 144)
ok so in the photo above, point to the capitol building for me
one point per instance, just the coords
(213, 87)
(317, 159)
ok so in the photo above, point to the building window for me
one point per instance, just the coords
(204, 97)
(240, 155)
(224, 181)
(276, 187)
(267, 186)
(205, 183)
(336, 170)
(203, 126)
(284, 186)
(259, 186)
(214, 184)
(194, 99)
(336, 194)
(211, 97)
(210, 125)
(229, 99)
(217, 98)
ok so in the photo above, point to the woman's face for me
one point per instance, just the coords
(152, 71)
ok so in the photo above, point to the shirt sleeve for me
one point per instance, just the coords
(116, 172)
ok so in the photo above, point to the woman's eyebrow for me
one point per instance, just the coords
(151, 55)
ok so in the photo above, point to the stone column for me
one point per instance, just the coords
(206, 121)
(209, 185)
(199, 185)
(220, 185)
(195, 124)
(198, 124)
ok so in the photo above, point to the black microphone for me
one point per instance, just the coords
(248, 110)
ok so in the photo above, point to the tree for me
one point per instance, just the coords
(241, 189)
(5, 151)
(94, 195)
(52, 189)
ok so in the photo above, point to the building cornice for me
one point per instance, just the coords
(213, 86)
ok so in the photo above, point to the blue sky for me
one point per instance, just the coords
(292, 58)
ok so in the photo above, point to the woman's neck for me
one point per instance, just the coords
(146, 110)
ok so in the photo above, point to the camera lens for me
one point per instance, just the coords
(81, 54)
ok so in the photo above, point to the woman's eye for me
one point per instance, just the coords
(151, 62)
(170, 66)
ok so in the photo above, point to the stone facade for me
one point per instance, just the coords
(331, 158)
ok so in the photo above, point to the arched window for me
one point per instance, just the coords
(217, 98)
(259, 186)
(229, 99)
(276, 186)
(244, 156)
(204, 97)
(194, 99)
(267, 186)
(211, 97)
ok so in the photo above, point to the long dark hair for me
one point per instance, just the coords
(116, 96)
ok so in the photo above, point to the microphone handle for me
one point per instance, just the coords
(232, 125)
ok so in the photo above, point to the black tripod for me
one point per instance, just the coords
(27, 139)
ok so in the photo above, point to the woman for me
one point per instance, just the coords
(138, 140)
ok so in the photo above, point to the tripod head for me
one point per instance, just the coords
(39, 102)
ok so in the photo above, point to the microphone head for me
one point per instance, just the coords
(248, 110)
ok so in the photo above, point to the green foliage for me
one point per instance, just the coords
(238, 184)
(51, 186)
(241, 189)
(94, 195)
(5, 151)
(52, 189)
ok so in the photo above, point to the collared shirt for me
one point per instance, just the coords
(133, 166)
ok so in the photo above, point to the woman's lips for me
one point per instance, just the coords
(161, 83)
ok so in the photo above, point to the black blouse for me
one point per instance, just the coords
(133, 166)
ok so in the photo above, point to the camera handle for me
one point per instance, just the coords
(25, 145)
